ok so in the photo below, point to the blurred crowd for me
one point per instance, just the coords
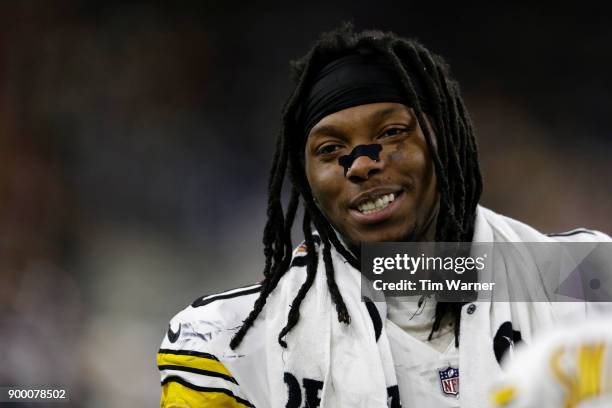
(135, 142)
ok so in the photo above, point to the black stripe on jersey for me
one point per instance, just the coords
(204, 300)
(198, 371)
(572, 232)
(230, 394)
(188, 353)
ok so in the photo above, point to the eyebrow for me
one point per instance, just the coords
(328, 130)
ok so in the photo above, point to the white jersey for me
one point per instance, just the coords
(199, 369)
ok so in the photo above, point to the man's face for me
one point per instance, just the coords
(393, 199)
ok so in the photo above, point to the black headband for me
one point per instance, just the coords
(350, 81)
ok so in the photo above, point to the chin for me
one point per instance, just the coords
(384, 236)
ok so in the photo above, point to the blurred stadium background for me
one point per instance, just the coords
(135, 141)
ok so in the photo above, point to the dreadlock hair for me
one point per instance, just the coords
(455, 158)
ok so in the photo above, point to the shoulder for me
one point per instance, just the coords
(580, 235)
(508, 229)
(190, 359)
(203, 324)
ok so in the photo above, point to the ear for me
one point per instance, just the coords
(431, 127)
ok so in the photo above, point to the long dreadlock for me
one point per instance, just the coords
(455, 158)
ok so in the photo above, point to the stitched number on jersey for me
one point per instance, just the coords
(311, 392)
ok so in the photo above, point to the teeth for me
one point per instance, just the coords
(376, 205)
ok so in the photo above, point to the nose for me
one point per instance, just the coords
(363, 168)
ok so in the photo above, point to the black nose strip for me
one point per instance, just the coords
(371, 150)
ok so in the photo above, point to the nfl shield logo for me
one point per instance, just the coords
(449, 380)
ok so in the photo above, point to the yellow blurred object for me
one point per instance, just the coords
(503, 396)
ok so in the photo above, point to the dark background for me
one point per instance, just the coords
(135, 140)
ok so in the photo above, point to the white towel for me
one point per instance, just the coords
(342, 365)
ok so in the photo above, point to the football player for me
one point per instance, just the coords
(378, 146)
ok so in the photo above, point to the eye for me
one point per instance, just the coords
(328, 149)
(393, 131)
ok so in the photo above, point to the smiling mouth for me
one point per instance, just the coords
(377, 204)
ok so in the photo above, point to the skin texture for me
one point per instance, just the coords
(405, 166)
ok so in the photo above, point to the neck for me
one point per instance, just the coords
(428, 229)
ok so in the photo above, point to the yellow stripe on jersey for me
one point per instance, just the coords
(195, 360)
(175, 395)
